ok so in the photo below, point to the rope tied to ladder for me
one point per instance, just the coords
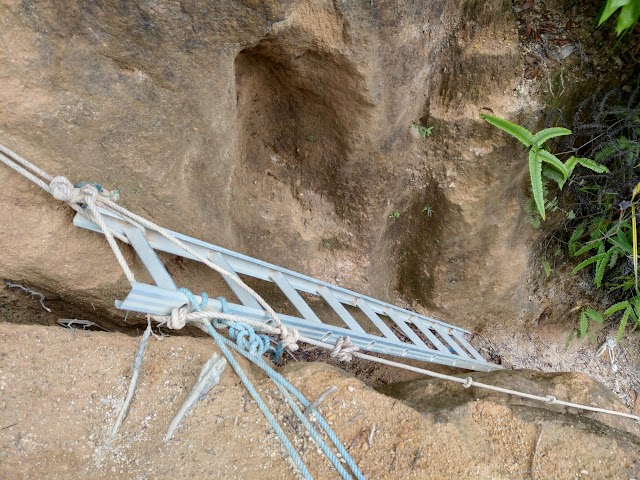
(87, 199)
(344, 349)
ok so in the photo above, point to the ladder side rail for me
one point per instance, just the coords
(150, 299)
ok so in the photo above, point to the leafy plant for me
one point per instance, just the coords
(394, 214)
(428, 210)
(546, 266)
(542, 163)
(602, 230)
(423, 131)
(627, 18)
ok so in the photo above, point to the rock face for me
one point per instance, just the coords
(57, 411)
(279, 129)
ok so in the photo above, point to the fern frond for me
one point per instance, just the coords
(552, 160)
(623, 323)
(594, 315)
(616, 308)
(553, 175)
(605, 152)
(601, 265)
(591, 165)
(584, 324)
(622, 242)
(588, 262)
(535, 172)
(573, 240)
(522, 134)
(549, 133)
(589, 246)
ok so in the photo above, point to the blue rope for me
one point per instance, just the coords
(223, 301)
(94, 184)
(277, 352)
(297, 460)
(192, 299)
(252, 346)
(288, 391)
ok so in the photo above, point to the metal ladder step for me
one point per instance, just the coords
(449, 344)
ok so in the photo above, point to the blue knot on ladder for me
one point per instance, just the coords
(195, 306)
(246, 338)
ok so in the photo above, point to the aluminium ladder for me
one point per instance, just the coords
(421, 337)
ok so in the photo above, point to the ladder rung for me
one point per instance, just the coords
(463, 341)
(149, 258)
(447, 338)
(218, 259)
(406, 329)
(294, 297)
(376, 320)
(424, 328)
(340, 310)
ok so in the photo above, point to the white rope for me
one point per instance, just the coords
(343, 349)
(609, 345)
(62, 189)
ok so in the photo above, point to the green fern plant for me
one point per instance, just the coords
(627, 18)
(537, 155)
(543, 163)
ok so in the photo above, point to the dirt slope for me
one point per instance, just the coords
(61, 391)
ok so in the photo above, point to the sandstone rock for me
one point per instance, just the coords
(280, 130)
(57, 410)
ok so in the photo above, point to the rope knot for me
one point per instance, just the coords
(62, 189)
(247, 339)
(468, 382)
(343, 349)
(551, 399)
(289, 338)
(178, 318)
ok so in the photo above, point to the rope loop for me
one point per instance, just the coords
(223, 304)
(343, 349)
(468, 382)
(195, 306)
(289, 338)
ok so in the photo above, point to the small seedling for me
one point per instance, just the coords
(423, 131)
(311, 137)
(428, 210)
(546, 266)
(394, 214)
